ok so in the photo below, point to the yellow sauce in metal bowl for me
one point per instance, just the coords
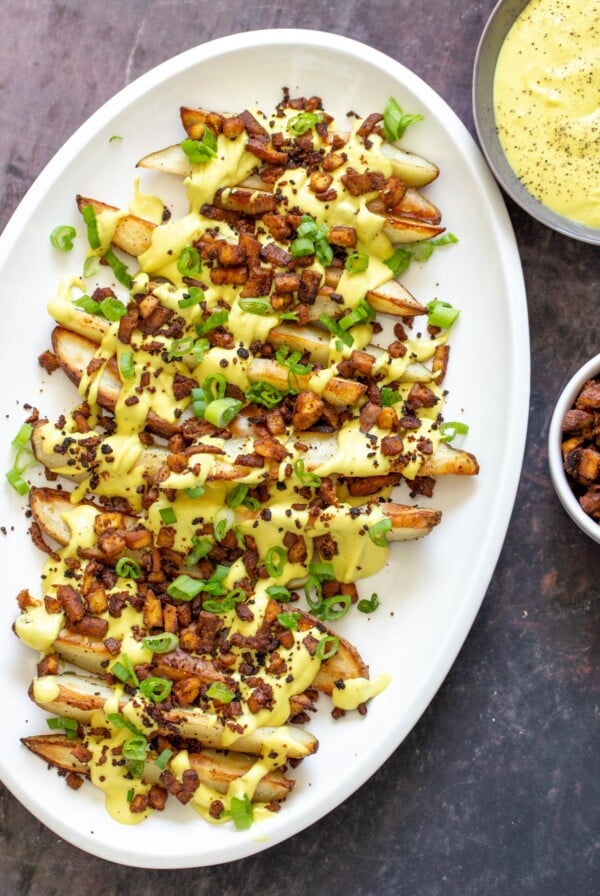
(547, 105)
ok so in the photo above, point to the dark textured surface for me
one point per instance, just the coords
(495, 791)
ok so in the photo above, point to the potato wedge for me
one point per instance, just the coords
(215, 768)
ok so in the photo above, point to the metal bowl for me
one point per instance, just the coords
(563, 489)
(492, 38)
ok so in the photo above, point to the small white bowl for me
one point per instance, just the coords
(567, 497)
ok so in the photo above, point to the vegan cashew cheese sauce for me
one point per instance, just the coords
(547, 105)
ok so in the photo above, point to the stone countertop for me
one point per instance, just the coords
(495, 790)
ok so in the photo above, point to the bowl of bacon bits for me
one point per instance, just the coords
(574, 448)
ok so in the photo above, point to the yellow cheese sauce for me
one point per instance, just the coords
(177, 494)
(547, 104)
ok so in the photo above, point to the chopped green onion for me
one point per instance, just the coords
(89, 216)
(90, 266)
(279, 593)
(378, 532)
(111, 308)
(399, 261)
(291, 360)
(395, 120)
(162, 759)
(199, 152)
(305, 478)
(88, 304)
(219, 691)
(237, 495)
(62, 723)
(119, 721)
(194, 297)
(162, 643)
(135, 750)
(303, 122)
(156, 689)
(201, 547)
(221, 411)
(289, 620)
(265, 394)
(327, 647)
(189, 263)
(128, 568)
(302, 247)
(334, 327)
(184, 588)
(324, 252)
(241, 812)
(127, 365)
(62, 237)
(226, 603)
(321, 570)
(357, 262)
(275, 561)
(451, 429)
(214, 386)
(441, 314)
(168, 516)
(388, 396)
(123, 670)
(223, 521)
(331, 608)
(256, 306)
(216, 319)
(196, 491)
(368, 606)
(21, 440)
(119, 268)
(15, 478)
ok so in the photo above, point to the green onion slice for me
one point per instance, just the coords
(219, 691)
(304, 477)
(289, 620)
(189, 263)
(221, 411)
(368, 606)
(163, 758)
(168, 516)
(223, 521)
(303, 122)
(199, 152)
(127, 365)
(195, 295)
(327, 647)
(89, 216)
(62, 237)
(378, 532)
(451, 429)
(256, 306)
(357, 262)
(119, 269)
(241, 812)
(275, 561)
(441, 314)
(332, 608)
(128, 568)
(156, 689)
(185, 588)
(62, 723)
(396, 121)
(279, 593)
(162, 643)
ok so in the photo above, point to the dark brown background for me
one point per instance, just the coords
(495, 791)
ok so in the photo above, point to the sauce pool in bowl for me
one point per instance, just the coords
(536, 104)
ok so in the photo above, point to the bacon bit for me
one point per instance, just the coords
(74, 781)
(71, 602)
(258, 283)
(93, 626)
(342, 236)
(48, 361)
(357, 183)
(392, 446)
(48, 665)
(420, 396)
(233, 276)
(157, 797)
